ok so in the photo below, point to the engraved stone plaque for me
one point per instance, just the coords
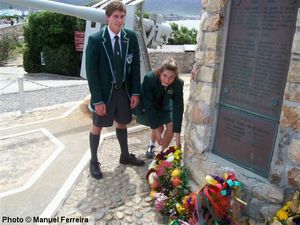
(245, 139)
(256, 62)
(257, 54)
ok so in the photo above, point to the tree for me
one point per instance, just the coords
(182, 35)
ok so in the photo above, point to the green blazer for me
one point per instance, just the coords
(100, 69)
(154, 99)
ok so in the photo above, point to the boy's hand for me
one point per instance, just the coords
(100, 109)
(134, 101)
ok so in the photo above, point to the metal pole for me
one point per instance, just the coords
(21, 92)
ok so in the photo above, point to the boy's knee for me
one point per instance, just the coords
(121, 126)
(96, 130)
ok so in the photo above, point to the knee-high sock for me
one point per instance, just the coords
(94, 143)
(122, 138)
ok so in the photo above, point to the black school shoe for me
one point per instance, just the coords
(95, 170)
(131, 160)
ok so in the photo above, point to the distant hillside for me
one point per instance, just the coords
(175, 7)
(184, 8)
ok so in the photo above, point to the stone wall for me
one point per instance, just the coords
(200, 110)
(287, 156)
(184, 59)
(14, 29)
(264, 195)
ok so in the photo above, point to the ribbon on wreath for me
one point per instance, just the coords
(214, 199)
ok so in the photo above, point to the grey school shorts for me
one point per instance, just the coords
(118, 109)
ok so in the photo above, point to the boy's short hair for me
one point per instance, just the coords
(115, 5)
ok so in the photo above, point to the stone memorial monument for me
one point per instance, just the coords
(244, 109)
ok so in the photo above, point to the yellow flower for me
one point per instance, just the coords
(177, 147)
(287, 206)
(152, 194)
(176, 173)
(179, 208)
(281, 214)
(185, 201)
(177, 154)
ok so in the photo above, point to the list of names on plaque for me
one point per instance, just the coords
(257, 55)
(245, 139)
(256, 63)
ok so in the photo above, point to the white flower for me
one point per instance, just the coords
(151, 178)
(170, 157)
(152, 165)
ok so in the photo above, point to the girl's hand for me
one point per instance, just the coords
(177, 139)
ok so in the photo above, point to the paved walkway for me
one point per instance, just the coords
(44, 171)
(121, 197)
(41, 161)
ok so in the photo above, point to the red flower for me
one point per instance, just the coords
(176, 181)
(166, 164)
(161, 168)
(155, 185)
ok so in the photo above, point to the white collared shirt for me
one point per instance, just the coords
(112, 37)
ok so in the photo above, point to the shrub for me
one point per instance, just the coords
(52, 34)
(8, 43)
(32, 61)
(80, 25)
(182, 35)
(61, 60)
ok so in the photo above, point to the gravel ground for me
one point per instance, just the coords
(42, 98)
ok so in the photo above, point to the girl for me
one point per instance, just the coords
(161, 105)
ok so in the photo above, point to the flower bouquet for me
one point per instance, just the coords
(289, 214)
(170, 189)
(216, 203)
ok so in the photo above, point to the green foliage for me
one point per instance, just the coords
(61, 60)
(182, 35)
(32, 61)
(138, 14)
(19, 50)
(3, 17)
(47, 30)
(8, 43)
(80, 24)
